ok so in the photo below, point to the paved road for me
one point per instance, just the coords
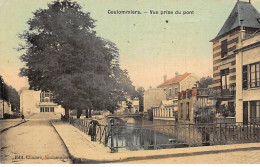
(35, 141)
(236, 157)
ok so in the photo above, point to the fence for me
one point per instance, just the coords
(133, 137)
(84, 126)
(181, 135)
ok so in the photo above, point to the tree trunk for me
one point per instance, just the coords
(79, 112)
(67, 114)
(89, 114)
(112, 111)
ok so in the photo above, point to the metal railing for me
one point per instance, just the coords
(147, 137)
(84, 126)
(180, 135)
(255, 119)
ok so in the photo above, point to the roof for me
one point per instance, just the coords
(174, 80)
(244, 14)
(167, 102)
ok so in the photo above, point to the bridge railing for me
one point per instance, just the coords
(101, 131)
(180, 135)
(144, 137)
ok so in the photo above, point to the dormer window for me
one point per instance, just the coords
(258, 20)
(224, 49)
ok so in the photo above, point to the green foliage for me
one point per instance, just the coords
(140, 94)
(205, 82)
(65, 56)
(204, 115)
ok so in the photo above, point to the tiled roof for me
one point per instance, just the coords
(244, 14)
(174, 80)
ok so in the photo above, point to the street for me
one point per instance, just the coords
(8, 123)
(236, 157)
(35, 141)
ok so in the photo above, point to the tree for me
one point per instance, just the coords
(205, 82)
(65, 56)
(140, 94)
(9, 94)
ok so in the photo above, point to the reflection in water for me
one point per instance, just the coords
(138, 137)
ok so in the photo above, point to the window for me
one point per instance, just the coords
(181, 111)
(224, 49)
(255, 111)
(190, 93)
(245, 77)
(46, 97)
(255, 75)
(224, 78)
(188, 111)
(51, 109)
(170, 92)
(176, 92)
(42, 109)
(46, 109)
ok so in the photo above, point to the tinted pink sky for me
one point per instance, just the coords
(149, 47)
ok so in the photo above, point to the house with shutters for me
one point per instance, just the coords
(242, 23)
(163, 100)
(248, 79)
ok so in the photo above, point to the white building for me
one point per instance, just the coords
(124, 108)
(248, 79)
(6, 108)
(36, 102)
(153, 98)
(168, 90)
(166, 110)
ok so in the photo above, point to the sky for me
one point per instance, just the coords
(150, 45)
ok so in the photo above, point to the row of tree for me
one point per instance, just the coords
(9, 94)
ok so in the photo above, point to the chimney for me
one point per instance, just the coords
(242, 30)
(176, 73)
(164, 78)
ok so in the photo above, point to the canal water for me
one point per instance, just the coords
(143, 136)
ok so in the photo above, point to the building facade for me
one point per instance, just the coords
(178, 83)
(32, 102)
(248, 83)
(196, 104)
(153, 98)
(5, 108)
(243, 21)
(128, 106)
(166, 110)
(163, 100)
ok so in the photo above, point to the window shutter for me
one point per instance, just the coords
(245, 77)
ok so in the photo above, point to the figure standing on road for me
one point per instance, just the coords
(92, 129)
(23, 119)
